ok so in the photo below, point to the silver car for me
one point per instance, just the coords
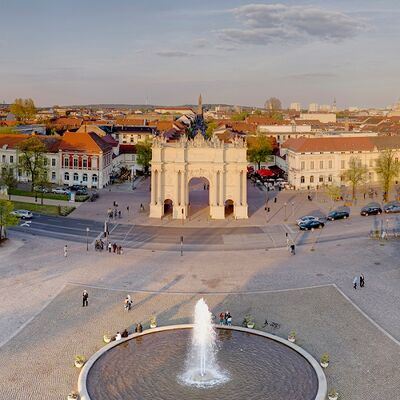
(306, 218)
(23, 214)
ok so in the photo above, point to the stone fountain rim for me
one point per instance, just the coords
(322, 383)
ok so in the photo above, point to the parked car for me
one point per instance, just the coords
(311, 224)
(338, 214)
(23, 214)
(306, 218)
(393, 207)
(371, 209)
(60, 190)
(42, 189)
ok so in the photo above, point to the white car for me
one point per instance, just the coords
(23, 214)
(306, 218)
(60, 190)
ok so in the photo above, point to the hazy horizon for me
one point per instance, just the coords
(232, 52)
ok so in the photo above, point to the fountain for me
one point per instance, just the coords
(202, 361)
(202, 369)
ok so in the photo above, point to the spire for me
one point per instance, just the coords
(200, 106)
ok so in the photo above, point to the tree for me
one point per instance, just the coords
(32, 158)
(8, 178)
(23, 109)
(143, 150)
(7, 130)
(240, 116)
(259, 150)
(355, 174)
(387, 168)
(273, 104)
(211, 126)
(6, 218)
(42, 180)
(333, 192)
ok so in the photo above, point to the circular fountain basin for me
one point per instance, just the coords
(150, 365)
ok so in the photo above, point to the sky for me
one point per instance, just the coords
(231, 51)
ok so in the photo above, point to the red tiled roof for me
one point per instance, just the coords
(110, 140)
(12, 141)
(84, 142)
(133, 122)
(127, 149)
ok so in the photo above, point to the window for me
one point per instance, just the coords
(84, 163)
(11, 159)
(343, 164)
(3, 158)
(302, 179)
(94, 163)
(312, 165)
(330, 164)
(45, 161)
(311, 179)
(53, 162)
(94, 178)
(330, 178)
(321, 178)
(321, 165)
(84, 177)
(75, 163)
(66, 162)
(76, 177)
(66, 176)
(53, 176)
(303, 165)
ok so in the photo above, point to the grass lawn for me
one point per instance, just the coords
(53, 196)
(42, 209)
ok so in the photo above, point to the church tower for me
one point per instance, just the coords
(200, 106)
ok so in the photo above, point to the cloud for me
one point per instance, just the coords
(200, 43)
(271, 23)
(173, 53)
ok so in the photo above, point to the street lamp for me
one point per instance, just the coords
(181, 246)
(87, 238)
(292, 208)
(285, 205)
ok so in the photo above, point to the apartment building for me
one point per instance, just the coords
(313, 162)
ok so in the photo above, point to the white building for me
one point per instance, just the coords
(313, 107)
(325, 118)
(295, 106)
(281, 133)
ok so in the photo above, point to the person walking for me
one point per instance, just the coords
(65, 251)
(362, 281)
(109, 247)
(355, 282)
(85, 297)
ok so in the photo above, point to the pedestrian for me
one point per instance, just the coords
(362, 281)
(114, 246)
(115, 213)
(274, 199)
(65, 251)
(141, 207)
(355, 282)
(109, 247)
(85, 297)
(125, 333)
(229, 319)
(204, 187)
(126, 304)
(119, 250)
(139, 328)
(118, 336)
(226, 318)
(221, 318)
(292, 249)
(119, 214)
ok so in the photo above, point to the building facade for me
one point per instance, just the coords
(313, 162)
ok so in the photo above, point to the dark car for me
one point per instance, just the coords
(338, 214)
(371, 210)
(392, 208)
(310, 225)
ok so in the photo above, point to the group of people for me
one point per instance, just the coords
(114, 213)
(225, 318)
(114, 248)
(359, 281)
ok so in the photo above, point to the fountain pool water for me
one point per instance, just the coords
(202, 369)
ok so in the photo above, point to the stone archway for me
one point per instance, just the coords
(174, 164)
(198, 196)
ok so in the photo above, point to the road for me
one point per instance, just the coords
(209, 238)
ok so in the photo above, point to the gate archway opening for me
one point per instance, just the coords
(168, 207)
(229, 208)
(199, 197)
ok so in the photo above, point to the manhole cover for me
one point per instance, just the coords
(320, 274)
(377, 263)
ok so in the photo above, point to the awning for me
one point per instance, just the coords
(265, 172)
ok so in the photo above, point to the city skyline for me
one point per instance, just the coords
(235, 52)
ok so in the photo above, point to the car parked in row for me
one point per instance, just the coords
(23, 214)
(311, 224)
(60, 190)
(337, 214)
(393, 207)
(371, 209)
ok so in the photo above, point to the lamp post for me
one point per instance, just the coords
(87, 238)
(292, 208)
(181, 246)
(285, 205)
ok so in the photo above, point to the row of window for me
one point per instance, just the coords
(322, 179)
(329, 164)
(76, 163)
(75, 177)
(4, 160)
